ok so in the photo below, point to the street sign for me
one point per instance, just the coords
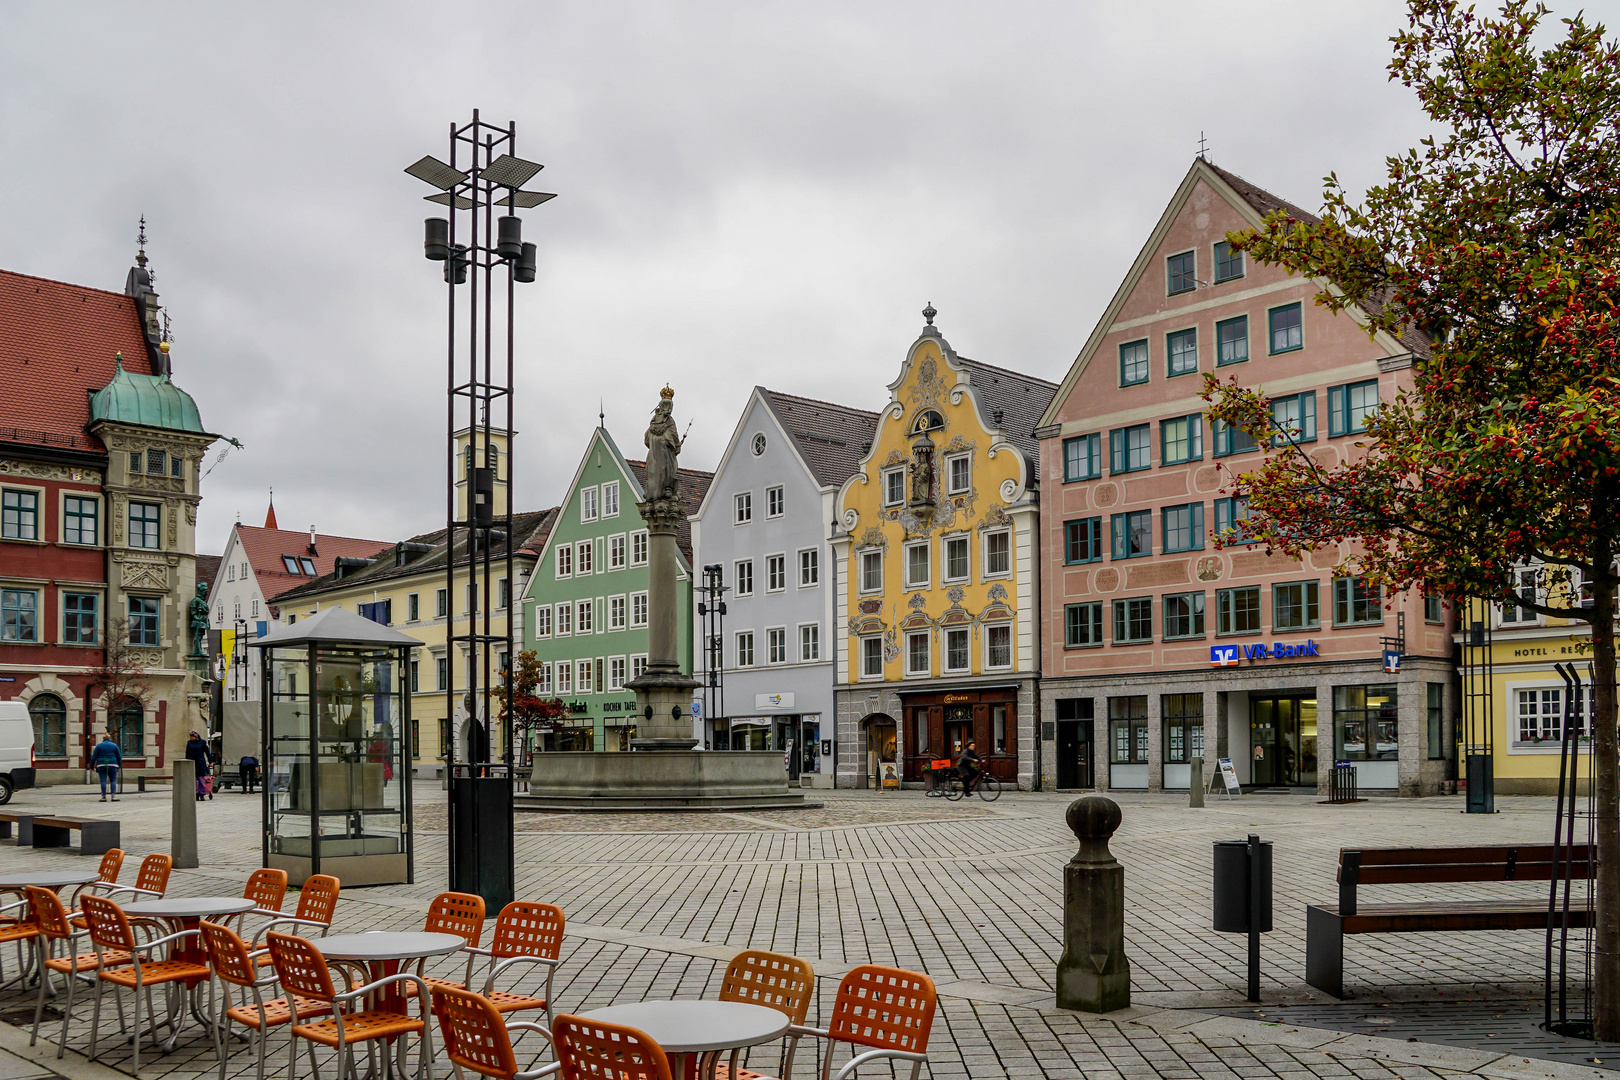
(1229, 777)
(697, 709)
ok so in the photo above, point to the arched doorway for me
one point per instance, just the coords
(49, 715)
(882, 765)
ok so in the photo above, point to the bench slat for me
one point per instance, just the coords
(1414, 918)
(1471, 853)
(1454, 872)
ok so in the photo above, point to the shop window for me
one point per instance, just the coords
(1436, 718)
(1356, 602)
(1237, 611)
(1232, 341)
(1182, 719)
(1184, 616)
(1082, 625)
(1182, 439)
(1133, 620)
(1127, 730)
(1000, 742)
(1082, 540)
(1296, 605)
(1366, 723)
(50, 725)
(1082, 457)
(919, 732)
(1540, 715)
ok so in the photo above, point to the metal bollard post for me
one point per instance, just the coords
(183, 818)
(1195, 781)
(140, 783)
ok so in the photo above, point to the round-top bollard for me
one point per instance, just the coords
(1093, 974)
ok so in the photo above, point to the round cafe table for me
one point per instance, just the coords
(49, 879)
(383, 952)
(693, 1033)
(184, 913)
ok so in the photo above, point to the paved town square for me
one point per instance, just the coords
(968, 893)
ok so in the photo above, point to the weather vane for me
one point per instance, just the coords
(1203, 147)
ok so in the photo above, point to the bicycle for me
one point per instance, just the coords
(988, 787)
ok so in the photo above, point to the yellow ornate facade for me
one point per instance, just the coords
(938, 574)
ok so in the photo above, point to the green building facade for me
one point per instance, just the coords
(585, 608)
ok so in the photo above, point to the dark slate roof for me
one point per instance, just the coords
(694, 485)
(831, 438)
(529, 527)
(1265, 202)
(1021, 399)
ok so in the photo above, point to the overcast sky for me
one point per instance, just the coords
(748, 193)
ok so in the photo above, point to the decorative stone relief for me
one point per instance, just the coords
(38, 471)
(929, 387)
(173, 517)
(1105, 494)
(998, 591)
(895, 458)
(955, 594)
(871, 606)
(146, 575)
(873, 538)
(1209, 568)
(917, 602)
(1107, 580)
(995, 515)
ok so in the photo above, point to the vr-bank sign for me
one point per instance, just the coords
(1229, 655)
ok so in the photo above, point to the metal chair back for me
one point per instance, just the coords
(266, 888)
(885, 1008)
(109, 928)
(756, 977)
(527, 928)
(589, 1049)
(300, 967)
(474, 1033)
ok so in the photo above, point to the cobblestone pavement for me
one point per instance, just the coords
(969, 893)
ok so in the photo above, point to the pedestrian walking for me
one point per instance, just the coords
(249, 768)
(107, 759)
(197, 753)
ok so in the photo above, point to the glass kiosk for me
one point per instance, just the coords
(336, 759)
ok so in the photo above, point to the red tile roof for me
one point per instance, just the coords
(265, 547)
(59, 342)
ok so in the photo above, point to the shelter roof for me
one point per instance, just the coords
(335, 626)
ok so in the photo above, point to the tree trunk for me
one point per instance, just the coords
(1606, 803)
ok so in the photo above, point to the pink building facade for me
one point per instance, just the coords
(1158, 646)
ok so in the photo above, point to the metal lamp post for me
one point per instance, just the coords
(483, 174)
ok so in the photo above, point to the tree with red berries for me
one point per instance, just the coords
(1497, 237)
(527, 709)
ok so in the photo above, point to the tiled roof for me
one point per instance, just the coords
(694, 485)
(1021, 400)
(59, 343)
(831, 438)
(529, 527)
(208, 568)
(265, 547)
(1265, 202)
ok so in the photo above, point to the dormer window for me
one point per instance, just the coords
(290, 563)
(929, 420)
(308, 565)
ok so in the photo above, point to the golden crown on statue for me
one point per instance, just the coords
(666, 393)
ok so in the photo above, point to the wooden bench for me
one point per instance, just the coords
(8, 818)
(1326, 925)
(96, 835)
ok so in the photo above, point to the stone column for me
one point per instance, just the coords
(664, 689)
(1093, 974)
(183, 815)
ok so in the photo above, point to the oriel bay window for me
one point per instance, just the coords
(1184, 615)
(1133, 620)
(145, 521)
(1133, 534)
(1127, 730)
(1181, 439)
(1182, 718)
(1356, 602)
(1296, 605)
(1082, 540)
(1082, 625)
(1082, 457)
(1366, 723)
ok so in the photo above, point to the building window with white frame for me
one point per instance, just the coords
(616, 551)
(956, 558)
(584, 677)
(894, 487)
(1525, 587)
(610, 499)
(565, 562)
(588, 504)
(638, 665)
(585, 616)
(742, 508)
(542, 682)
(871, 658)
(745, 648)
(776, 645)
(917, 565)
(19, 515)
(998, 646)
(565, 618)
(615, 613)
(871, 571)
(997, 554)
(745, 577)
(638, 548)
(958, 473)
(918, 660)
(956, 650)
(565, 676)
(585, 557)
(615, 673)
(80, 520)
(775, 573)
(638, 609)
(774, 501)
(809, 642)
(542, 620)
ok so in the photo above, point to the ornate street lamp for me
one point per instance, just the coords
(483, 175)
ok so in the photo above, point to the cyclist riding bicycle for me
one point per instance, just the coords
(967, 765)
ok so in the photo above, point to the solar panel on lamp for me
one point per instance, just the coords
(443, 199)
(509, 171)
(433, 171)
(527, 198)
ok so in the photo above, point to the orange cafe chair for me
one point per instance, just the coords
(235, 969)
(304, 974)
(889, 1010)
(477, 1037)
(526, 932)
(51, 916)
(461, 914)
(317, 902)
(587, 1048)
(785, 983)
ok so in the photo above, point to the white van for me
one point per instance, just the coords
(16, 749)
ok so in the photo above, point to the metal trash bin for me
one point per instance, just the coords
(1232, 886)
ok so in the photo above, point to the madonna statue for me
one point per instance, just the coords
(663, 448)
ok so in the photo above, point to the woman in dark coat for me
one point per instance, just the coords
(197, 752)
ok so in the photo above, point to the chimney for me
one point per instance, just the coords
(312, 550)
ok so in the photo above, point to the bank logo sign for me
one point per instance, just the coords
(1232, 655)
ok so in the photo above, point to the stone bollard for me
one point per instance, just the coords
(1093, 974)
(1195, 781)
(183, 821)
